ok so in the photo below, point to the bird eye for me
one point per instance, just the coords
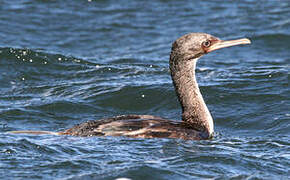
(206, 43)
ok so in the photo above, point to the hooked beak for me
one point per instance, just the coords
(223, 44)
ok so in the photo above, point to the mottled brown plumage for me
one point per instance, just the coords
(138, 126)
(196, 123)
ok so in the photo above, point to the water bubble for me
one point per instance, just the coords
(59, 59)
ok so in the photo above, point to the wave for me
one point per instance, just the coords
(274, 42)
(38, 81)
(275, 36)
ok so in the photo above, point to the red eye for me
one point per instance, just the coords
(206, 43)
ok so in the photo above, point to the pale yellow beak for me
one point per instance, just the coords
(223, 44)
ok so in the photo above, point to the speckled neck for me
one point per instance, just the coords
(194, 109)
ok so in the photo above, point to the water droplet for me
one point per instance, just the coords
(59, 59)
(142, 95)
(123, 178)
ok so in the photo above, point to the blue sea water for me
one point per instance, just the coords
(67, 62)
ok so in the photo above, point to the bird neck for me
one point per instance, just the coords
(194, 110)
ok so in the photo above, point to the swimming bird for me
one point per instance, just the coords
(197, 122)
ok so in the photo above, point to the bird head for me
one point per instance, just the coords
(194, 45)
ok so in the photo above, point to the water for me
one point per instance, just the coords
(66, 62)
